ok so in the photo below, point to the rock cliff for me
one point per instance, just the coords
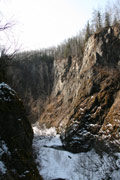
(16, 156)
(33, 81)
(79, 97)
(84, 102)
(94, 121)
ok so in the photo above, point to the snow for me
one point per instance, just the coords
(99, 107)
(44, 131)
(2, 168)
(3, 150)
(109, 125)
(26, 172)
(3, 94)
(118, 163)
(57, 163)
(4, 85)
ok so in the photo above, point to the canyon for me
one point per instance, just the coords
(80, 97)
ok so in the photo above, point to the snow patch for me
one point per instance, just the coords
(3, 94)
(44, 132)
(4, 85)
(2, 168)
(3, 149)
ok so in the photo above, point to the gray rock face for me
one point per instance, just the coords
(84, 93)
(98, 97)
(65, 90)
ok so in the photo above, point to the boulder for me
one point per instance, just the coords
(16, 156)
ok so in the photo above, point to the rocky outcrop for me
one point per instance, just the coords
(85, 96)
(16, 156)
(64, 93)
(94, 121)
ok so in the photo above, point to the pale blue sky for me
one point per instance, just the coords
(45, 23)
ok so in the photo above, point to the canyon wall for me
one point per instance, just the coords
(79, 97)
(33, 80)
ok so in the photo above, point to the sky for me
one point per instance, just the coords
(45, 23)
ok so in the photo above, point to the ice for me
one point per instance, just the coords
(57, 163)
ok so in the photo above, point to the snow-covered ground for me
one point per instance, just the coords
(53, 163)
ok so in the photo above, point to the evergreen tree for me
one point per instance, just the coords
(87, 32)
(96, 20)
(99, 21)
(115, 21)
(107, 19)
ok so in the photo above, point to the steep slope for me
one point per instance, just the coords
(64, 93)
(85, 97)
(94, 121)
(79, 97)
(33, 81)
(16, 156)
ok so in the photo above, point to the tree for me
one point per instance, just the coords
(107, 19)
(5, 58)
(115, 21)
(116, 12)
(87, 32)
(67, 51)
(99, 21)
